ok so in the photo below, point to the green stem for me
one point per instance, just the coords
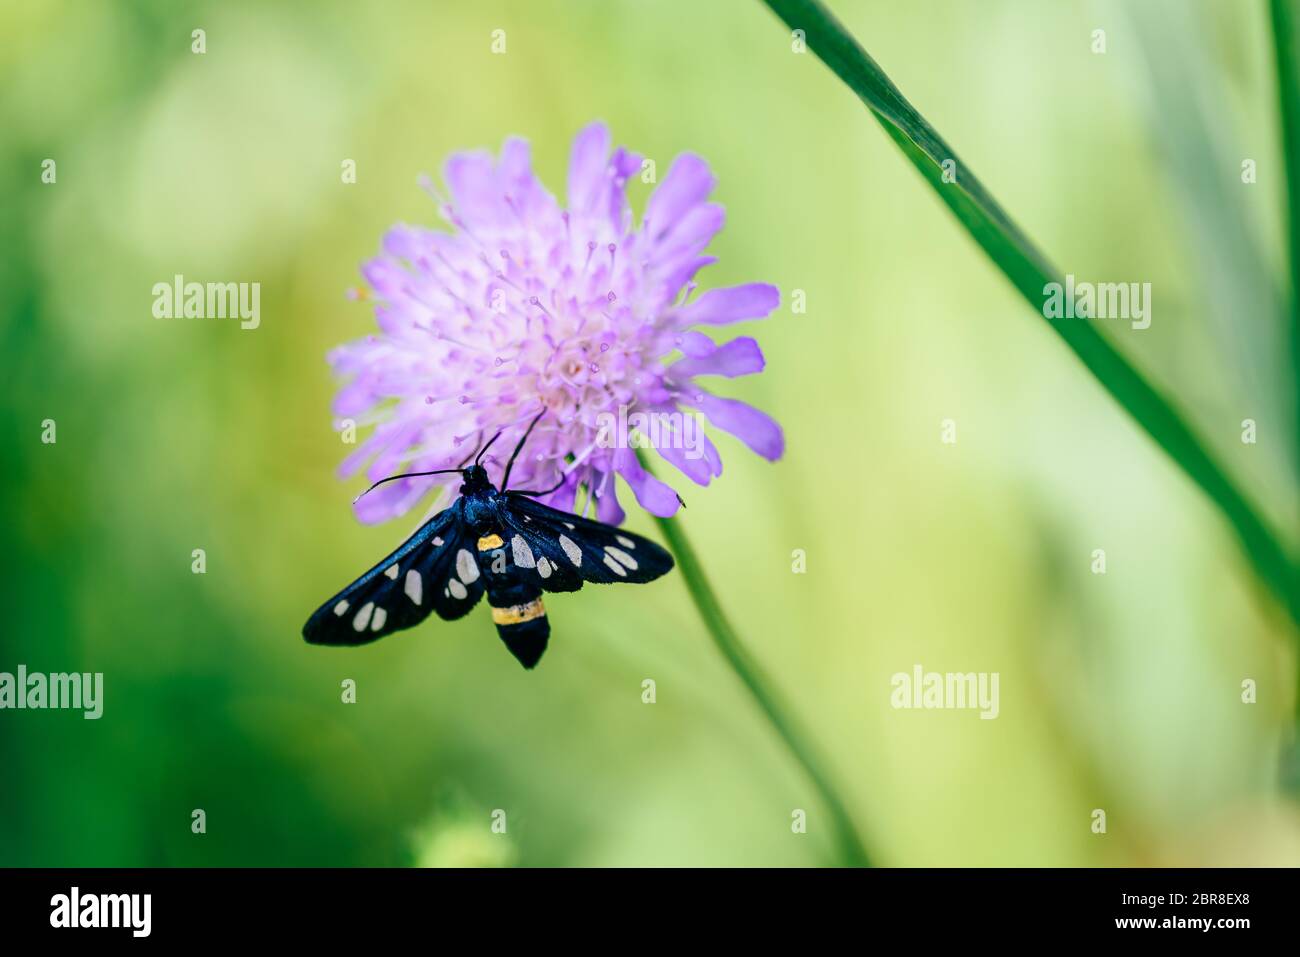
(1028, 270)
(751, 675)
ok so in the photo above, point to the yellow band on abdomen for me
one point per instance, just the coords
(517, 614)
(489, 542)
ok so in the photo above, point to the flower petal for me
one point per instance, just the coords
(753, 300)
(692, 234)
(387, 278)
(740, 356)
(679, 273)
(686, 186)
(614, 201)
(408, 242)
(695, 344)
(366, 450)
(517, 181)
(477, 198)
(691, 454)
(654, 496)
(756, 429)
(395, 456)
(587, 165)
(564, 497)
(607, 508)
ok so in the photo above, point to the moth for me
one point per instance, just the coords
(504, 543)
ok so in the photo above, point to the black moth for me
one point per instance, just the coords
(502, 542)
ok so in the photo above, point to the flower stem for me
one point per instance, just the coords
(747, 669)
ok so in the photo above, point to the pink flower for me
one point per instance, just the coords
(525, 305)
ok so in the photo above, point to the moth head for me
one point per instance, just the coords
(475, 479)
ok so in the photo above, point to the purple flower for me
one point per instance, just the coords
(525, 305)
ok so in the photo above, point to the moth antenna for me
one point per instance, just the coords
(564, 477)
(394, 478)
(505, 481)
(483, 450)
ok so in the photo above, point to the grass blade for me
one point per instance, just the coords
(1027, 268)
(1285, 20)
(1192, 125)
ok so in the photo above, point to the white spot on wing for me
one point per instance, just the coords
(377, 621)
(341, 607)
(465, 566)
(615, 567)
(620, 556)
(437, 542)
(363, 616)
(544, 567)
(626, 542)
(570, 549)
(414, 586)
(391, 571)
(569, 526)
(523, 554)
(456, 588)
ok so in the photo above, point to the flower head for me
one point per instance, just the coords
(524, 305)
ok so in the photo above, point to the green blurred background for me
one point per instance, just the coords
(1120, 692)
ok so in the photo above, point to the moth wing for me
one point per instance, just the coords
(433, 571)
(577, 549)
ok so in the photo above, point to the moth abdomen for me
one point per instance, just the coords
(520, 617)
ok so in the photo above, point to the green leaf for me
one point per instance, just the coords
(1192, 125)
(1029, 272)
(1286, 21)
